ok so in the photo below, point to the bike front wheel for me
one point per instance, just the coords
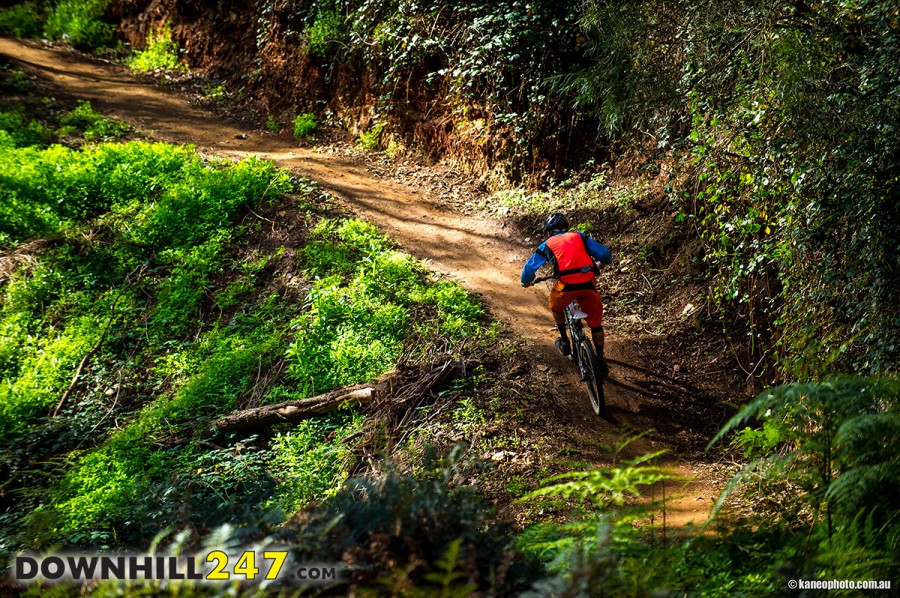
(590, 374)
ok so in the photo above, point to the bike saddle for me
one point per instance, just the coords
(577, 314)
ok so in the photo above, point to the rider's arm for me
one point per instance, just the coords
(531, 266)
(597, 251)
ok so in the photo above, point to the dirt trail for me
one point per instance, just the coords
(482, 255)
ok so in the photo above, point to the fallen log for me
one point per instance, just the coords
(394, 395)
(296, 411)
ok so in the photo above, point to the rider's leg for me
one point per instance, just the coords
(560, 320)
(557, 304)
(598, 337)
(592, 305)
(562, 343)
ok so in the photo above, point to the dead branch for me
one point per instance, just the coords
(392, 401)
(392, 415)
(24, 254)
(295, 411)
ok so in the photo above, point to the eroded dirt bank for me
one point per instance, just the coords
(482, 253)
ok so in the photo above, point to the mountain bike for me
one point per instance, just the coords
(583, 355)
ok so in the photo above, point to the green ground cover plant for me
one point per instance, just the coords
(160, 53)
(90, 124)
(370, 140)
(21, 20)
(17, 130)
(367, 302)
(80, 23)
(14, 81)
(127, 264)
(304, 124)
(120, 288)
(310, 460)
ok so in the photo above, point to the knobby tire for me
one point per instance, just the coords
(588, 359)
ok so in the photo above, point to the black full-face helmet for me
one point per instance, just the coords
(556, 223)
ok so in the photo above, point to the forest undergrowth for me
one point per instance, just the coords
(147, 291)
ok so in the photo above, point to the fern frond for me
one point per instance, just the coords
(754, 409)
(857, 488)
(604, 486)
(774, 466)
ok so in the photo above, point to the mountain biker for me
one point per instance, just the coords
(572, 255)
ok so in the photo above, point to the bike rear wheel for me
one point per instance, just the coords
(590, 370)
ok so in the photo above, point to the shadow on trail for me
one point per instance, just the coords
(680, 414)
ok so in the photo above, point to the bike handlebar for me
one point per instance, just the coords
(544, 278)
(600, 265)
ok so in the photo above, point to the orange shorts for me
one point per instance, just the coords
(588, 300)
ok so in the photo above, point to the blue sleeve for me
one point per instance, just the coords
(597, 251)
(531, 266)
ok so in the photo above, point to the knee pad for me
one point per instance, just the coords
(597, 328)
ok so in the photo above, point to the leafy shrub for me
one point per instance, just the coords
(134, 490)
(23, 132)
(627, 560)
(405, 529)
(835, 450)
(21, 20)
(489, 62)
(592, 193)
(304, 124)
(161, 53)
(327, 28)
(362, 305)
(79, 22)
(788, 187)
(310, 460)
(615, 544)
(762, 442)
(104, 482)
(15, 81)
(371, 139)
(843, 453)
(93, 125)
